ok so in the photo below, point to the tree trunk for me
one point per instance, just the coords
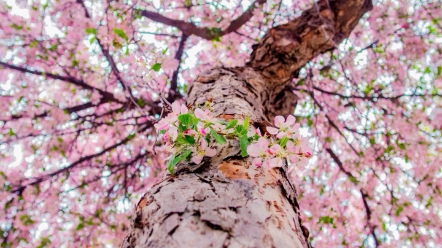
(224, 201)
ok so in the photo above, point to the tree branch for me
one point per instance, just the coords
(80, 83)
(178, 56)
(286, 48)
(19, 189)
(206, 33)
(364, 196)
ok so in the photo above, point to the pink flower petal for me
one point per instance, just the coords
(281, 134)
(290, 120)
(197, 159)
(257, 162)
(176, 107)
(272, 130)
(253, 150)
(210, 152)
(294, 159)
(184, 109)
(203, 144)
(279, 120)
(200, 113)
(274, 162)
(290, 147)
(263, 144)
(258, 132)
(274, 149)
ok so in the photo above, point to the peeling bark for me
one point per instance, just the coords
(224, 201)
(226, 205)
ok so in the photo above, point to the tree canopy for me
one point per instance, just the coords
(84, 82)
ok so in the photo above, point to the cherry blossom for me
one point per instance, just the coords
(284, 127)
(202, 150)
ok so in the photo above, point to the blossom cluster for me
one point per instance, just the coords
(193, 135)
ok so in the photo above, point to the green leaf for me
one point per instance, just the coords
(231, 124)
(246, 123)
(11, 132)
(79, 226)
(91, 40)
(175, 160)
(185, 139)
(243, 143)
(26, 220)
(401, 145)
(170, 165)
(239, 129)
(131, 136)
(195, 120)
(283, 141)
(182, 128)
(91, 31)
(326, 220)
(219, 138)
(399, 210)
(207, 137)
(189, 139)
(156, 67)
(353, 179)
(165, 50)
(185, 119)
(121, 33)
(33, 43)
(53, 47)
(16, 27)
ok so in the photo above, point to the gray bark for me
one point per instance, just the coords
(224, 201)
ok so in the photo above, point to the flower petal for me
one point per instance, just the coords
(184, 109)
(290, 120)
(197, 159)
(274, 162)
(281, 134)
(263, 144)
(257, 162)
(275, 148)
(258, 132)
(199, 113)
(272, 130)
(176, 107)
(253, 150)
(279, 120)
(203, 144)
(210, 152)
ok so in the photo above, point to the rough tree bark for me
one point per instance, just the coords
(225, 202)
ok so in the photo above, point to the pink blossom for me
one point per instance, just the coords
(166, 122)
(274, 162)
(179, 108)
(203, 115)
(258, 149)
(202, 150)
(284, 127)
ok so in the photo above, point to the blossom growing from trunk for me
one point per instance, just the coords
(259, 150)
(202, 150)
(172, 117)
(287, 127)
